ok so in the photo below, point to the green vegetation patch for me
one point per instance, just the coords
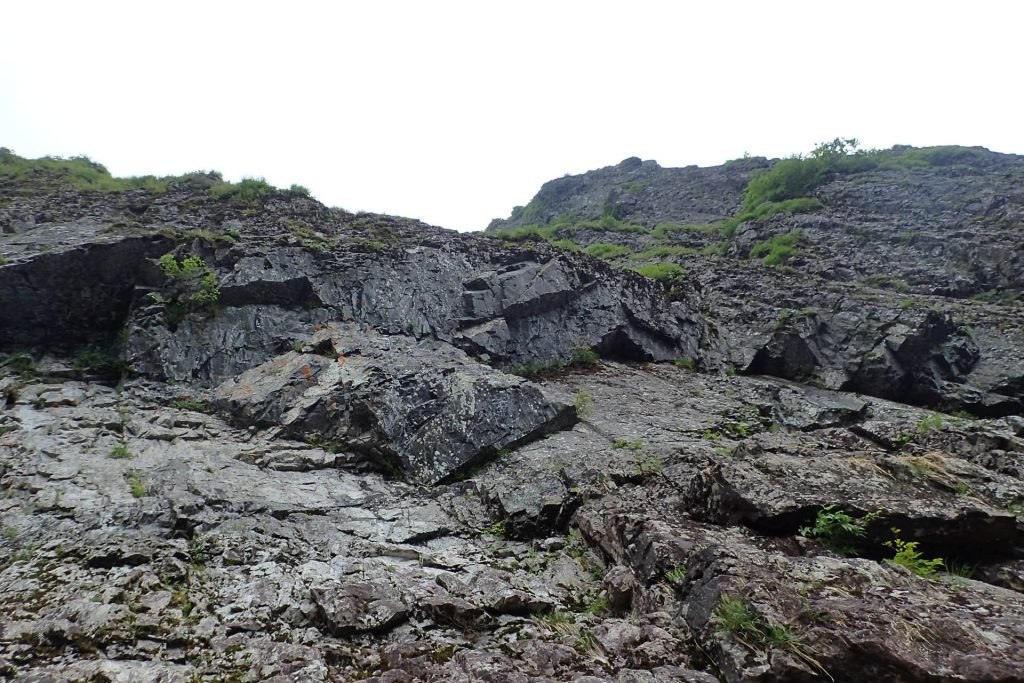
(246, 191)
(562, 227)
(584, 404)
(566, 244)
(777, 249)
(192, 286)
(661, 271)
(662, 252)
(607, 250)
(839, 530)
(882, 281)
(85, 175)
(109, 360)
(81, 173)
(664, 231)
(948, 155)
(910, 557)
(579, 357)
(633, 187)
(120, 452)
(307, 236)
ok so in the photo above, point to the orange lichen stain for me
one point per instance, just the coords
(246, 389)
(342, 359)
(307, 373)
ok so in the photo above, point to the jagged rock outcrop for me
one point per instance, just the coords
(247, 437)
(904, 281)
(642, 192)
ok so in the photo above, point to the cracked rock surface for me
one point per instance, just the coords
(332, 474)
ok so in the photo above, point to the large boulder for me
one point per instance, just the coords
(421, 405)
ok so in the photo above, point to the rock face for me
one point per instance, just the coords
(491, 303)
(253, 438)
(423, 406)
(904, 280)
(642, 192)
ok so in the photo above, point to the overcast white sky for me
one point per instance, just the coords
(454, 112)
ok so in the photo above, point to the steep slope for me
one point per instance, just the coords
(248, 437)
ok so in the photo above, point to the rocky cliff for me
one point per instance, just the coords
(246, 437)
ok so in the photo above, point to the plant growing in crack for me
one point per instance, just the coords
(649, 464)
(584, 404)
(191, 286)
(910, 557)
(839, 530)
(135, 485)
(737, 617)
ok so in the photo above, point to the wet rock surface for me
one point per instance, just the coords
(330, 476)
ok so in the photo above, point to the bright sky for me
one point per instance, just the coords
(454, 112)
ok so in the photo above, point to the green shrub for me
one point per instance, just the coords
(21, 363)
(633, 187)
(584, 404)
(629, 445)
(882, 281)
(661, 252)
(938, 156)
(190, 404)
(583, 356)
(307, 236)
(247, 191)
(299, 189)
(676, 575)
(532, 211)
(777, 249)
(566, 244)
(797, 176)
(196, 274)
(664, 231)
(607, 250)
(120, 452)
(837, 529)
(648, 464)
(929, 424)
(908, 555)
(787, 179)
(685, 363)
(661, 271)
(598, 606)
(612, 224)
(564, 225)
(737, 617)
(192, 286)
(766, 210)
(81, 173)
(527, 233)
(536, 368)
(103, 360)
(135, 485)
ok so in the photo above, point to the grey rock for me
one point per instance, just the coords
(358, 608)
(145, 539)
(620, 583)
(425, 405)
